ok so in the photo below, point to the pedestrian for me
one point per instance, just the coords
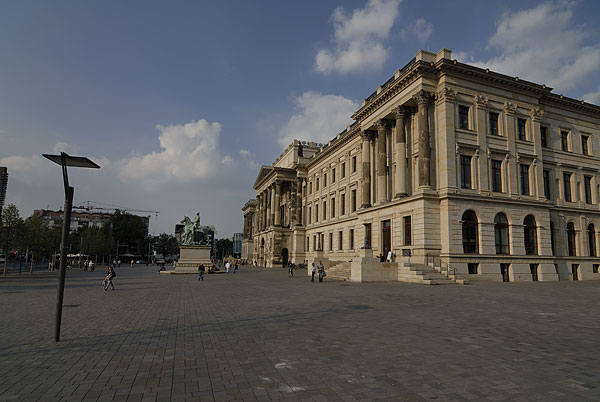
(201, 270)
(321, 270)
(290, 270)
(227, 267)
(313, 271)
(119, 262)
(108, 279)
(131, 263)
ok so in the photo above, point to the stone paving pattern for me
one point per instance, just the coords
(261, 336)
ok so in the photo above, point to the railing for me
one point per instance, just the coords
(444, 266)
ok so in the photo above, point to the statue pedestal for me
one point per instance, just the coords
(190, 257)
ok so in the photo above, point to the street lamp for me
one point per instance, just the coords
(65, 160)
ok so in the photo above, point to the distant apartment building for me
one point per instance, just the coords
(446, 164)
(78, 219)
(237, 245)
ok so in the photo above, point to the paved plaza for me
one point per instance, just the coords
(261, 336)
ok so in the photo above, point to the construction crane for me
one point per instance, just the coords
(102, 207)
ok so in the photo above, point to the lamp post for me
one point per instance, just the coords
(65, 160)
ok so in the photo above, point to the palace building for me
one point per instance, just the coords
(447, 168)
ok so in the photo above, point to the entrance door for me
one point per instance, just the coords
(534, 272)
(386, 238)
(504, 271)
(284, 257)
(575, 271)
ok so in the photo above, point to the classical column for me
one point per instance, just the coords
(366, 170)
(382, 127)
(367, 238)
(423, 98)
(277, 205)
(272, 206)
(299, 190)
(258, 209)
(400, 149)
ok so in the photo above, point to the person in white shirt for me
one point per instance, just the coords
(227, 267)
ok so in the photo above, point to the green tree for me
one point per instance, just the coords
(12, 228)
(127, 229)
(223, 247)
(165, 244)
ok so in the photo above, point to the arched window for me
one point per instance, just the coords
(552, 237)
(469, 232)
(501, 232)
(592, 239)
(571, 239)
(530, 235)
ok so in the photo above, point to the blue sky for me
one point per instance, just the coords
(180, 102)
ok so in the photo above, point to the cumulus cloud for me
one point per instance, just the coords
(543, 44)
(248, 158)
(61, 147)
(358, 38)
(420, 29)
(593, 97)
(319, 118)
(29, 169)
(189, 152)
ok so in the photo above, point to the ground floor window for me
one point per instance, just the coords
(575, 271)
(534, 272)
(595, 268)
(473, 268)
(504, 270)
(351, 239)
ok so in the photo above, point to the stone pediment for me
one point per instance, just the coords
(263, 173)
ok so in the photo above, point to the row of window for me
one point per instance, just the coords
(522, 134)
(470, 236)
(342, 171)
(496, 176)
(319, 240)
(333, 205)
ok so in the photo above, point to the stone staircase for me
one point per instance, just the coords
(339, 270)
(423, 274)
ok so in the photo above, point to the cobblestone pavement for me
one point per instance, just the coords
(260, 336)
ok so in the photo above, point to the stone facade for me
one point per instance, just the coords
(446, 164)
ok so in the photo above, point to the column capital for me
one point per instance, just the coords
(366, 135)
(510, 108)
(446, 94)
(423, 97)
(537, 113)
(401, 112)
(480, 101)
(383, 124)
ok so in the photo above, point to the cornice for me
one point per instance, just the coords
(334, 145)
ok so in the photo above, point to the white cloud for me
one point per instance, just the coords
(227, 160)
(3, 132)
(61, 147)
(543, 44)
(30, 169)
(358, 38)
(421, 29)
(592, 97)
(320, 118)
(189, 152)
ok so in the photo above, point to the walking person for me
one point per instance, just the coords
(321, 270)
(108, 279)
(313, 271)
(227, 267)
(131, 263)
(201, 270)
(291, 270)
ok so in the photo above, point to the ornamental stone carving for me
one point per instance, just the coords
(480, 101)
(510, 108)
(446, 94)
(537, 113)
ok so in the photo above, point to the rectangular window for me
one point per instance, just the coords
(316, 212)
(595, 268)
(547, 184)
(473, 268)
(310, 188)
(465, 171)
(315, 243)
(324, 210)
(463, 117)
(307, 243)
(332, 175)
(325, 180)
(533, 268)
(587, 181)
(330, 241)
(351, 239)
(544, 136)
(354, 164)
(367, 235)
(584, 145)
(524, 169)
(343, 204)
(317, 185)
(564, 140)
(333, 207)
(521, 123)
(340, 240)
(353, 200)
(496, 176)
(494, 123)
(407, 231)
(309, 215)
(567, 186)
(343, 171)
